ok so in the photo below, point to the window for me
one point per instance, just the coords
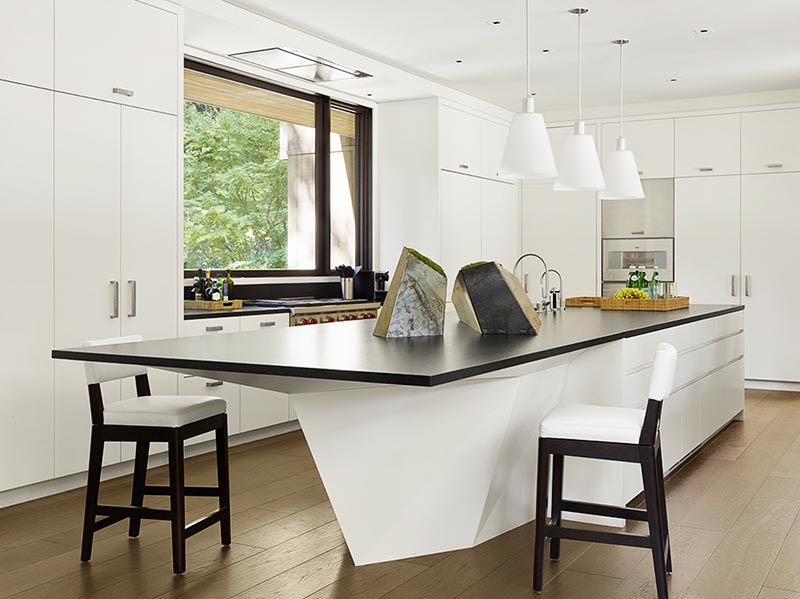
(275, 181)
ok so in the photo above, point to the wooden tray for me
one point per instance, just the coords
(658, 305)
(583, 302)
(205, 305)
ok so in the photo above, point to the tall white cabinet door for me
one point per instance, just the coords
(770, 213)
(461, 223)
(652, 143)
(493, 143)
(500, 222)
(769, 141)
(707, 145)
(707, 216)
(26, 41)
(459, 141)
(87, 261)
(560, 226)
(26, 209)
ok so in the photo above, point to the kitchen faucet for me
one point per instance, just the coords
(556, 295)
(545, 304)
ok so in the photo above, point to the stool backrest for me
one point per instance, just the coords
(663, 373)
(661, 379)
(98, 372)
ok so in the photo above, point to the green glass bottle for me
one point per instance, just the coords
(631, 282)
(227, 287)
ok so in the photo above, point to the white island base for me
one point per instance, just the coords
(413, 471)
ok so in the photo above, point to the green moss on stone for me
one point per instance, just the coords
(427, 261)
(474, 264)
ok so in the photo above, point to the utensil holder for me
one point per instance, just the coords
(347, 288)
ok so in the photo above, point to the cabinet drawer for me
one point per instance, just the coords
(263, 322)
(460, 141)
(707, 145)
(769, 141)
(196, 385)
(209, 326)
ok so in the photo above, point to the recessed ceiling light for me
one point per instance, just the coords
(369, 95)
(703, 31)
(459, 61)
(545, 50)
(672, 80)
(495, 22)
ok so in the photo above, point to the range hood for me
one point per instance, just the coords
(299, 64)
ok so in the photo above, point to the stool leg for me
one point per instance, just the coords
(96, 446)
(541, 515)
(557, 496)
(224, 484)
(177, 503)
(654, 520)
(139, 481)
(662, 495)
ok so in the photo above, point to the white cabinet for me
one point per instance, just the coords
(652, 143)
(707, 145)
(115, 222)
(26, 42)
(707, 216)
(261, 407)
(770, 213)
(493, 143)
(121, 51)
(461, 223)
(500, 223)
(769, 141)
(459, 141)
(26, 209)
(561, 226)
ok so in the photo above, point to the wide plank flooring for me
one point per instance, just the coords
(733, 514)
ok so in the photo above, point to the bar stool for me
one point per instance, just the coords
(147, 419)
(607, 433)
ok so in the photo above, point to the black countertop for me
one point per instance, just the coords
(243, 311)
(348, 351)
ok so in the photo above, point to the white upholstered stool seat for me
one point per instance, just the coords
(593, 423)
(163, 410)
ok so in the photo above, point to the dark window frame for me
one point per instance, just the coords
(363, 161)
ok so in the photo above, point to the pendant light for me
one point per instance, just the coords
(527, 154)
(578, 164)
(621, 172)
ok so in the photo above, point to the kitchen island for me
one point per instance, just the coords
(430, 444)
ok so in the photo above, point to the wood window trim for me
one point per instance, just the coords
(322, 121)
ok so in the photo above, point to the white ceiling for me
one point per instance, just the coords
(754, 46)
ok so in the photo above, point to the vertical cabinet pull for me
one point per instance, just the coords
(734, 285)
(115, 300)
(748, 285)
(132, 285)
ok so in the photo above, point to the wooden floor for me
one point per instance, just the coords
(733, 514)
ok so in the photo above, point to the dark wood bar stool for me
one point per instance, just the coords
(149, 419)
(607, 433)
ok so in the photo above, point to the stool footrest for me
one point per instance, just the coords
(190, 491)
(598, 536)
(597, 509)
(202, 523)
(120, 512)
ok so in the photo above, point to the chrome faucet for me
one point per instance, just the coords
(545, 303)
(556, 295)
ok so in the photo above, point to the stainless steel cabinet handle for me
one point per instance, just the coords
(637, 232)
(748, 287)
(774, 165)
(268, 323)
(214, 329)
(464, 166)
(734, 284)
(123, 92)
(214, 384)
(132, 285)
(641, 173)
(115, 302)
(705, 169)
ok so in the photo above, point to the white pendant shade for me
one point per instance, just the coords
(622, 175)
(528, 154)
(578, 164)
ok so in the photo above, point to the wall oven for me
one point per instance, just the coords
(620, 254)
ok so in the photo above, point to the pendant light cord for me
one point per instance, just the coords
(528, 46)
(580, 89)
(621, 79)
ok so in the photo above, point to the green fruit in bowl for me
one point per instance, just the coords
(631, 294)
